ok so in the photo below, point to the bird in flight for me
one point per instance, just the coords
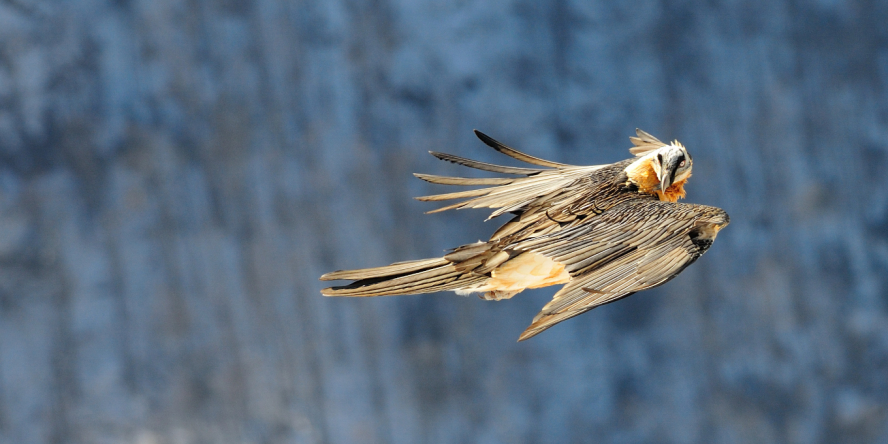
(604, 231)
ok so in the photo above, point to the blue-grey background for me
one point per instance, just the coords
(175, 175)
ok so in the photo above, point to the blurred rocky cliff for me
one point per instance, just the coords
(175, 175)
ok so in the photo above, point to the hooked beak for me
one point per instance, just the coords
(665, 181)
(666, 171)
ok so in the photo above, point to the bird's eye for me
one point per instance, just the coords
(683, 162)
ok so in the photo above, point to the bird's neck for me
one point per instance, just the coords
(642, 174)
(674, 192)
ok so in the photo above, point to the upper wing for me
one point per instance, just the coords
(506, 194)
(547, 197)
(632, 247)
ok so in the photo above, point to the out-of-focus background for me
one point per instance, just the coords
(175, 175)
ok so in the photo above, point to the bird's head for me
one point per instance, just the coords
(660, 169)
(671, 163)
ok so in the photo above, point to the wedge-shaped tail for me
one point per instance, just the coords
(403, 278)
(463, 268)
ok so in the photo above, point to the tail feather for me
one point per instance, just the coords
(414, 277)
(389, 270)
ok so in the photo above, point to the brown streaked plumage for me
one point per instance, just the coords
(605, 231)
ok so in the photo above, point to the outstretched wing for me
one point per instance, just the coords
(506, 194)
(548, 195)
(632, 247)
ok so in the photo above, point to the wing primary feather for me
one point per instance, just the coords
(456, 195)
(515, 154)
(445, 180)
(486, 166)
(458, 206)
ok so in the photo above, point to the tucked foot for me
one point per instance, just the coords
(497, 295)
